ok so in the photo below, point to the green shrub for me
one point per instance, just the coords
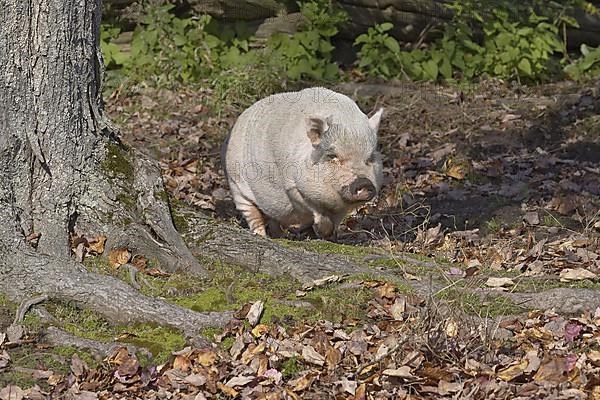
(307, 53)
(379, 55)
(112, 54)
(587, 66)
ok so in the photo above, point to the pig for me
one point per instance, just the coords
(303, 158)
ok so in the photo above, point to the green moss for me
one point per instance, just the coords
(162, 195)
(68, 351)
(160, 341)
(471, 303)
(98, 265)
(22, 380)
(127, 200)
(290, 368)
(540, 285)
(56, 359)
(326, 247)
(118, 162)
(179, 219)
(82, 322)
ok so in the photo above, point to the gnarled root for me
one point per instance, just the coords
(25, 273)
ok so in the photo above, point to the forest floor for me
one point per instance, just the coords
(489, 218)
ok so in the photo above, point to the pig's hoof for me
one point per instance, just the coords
(324, 227)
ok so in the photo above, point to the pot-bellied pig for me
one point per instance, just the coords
(303, 158)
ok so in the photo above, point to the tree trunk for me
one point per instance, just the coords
(64, 173)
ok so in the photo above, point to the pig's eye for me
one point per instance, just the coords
(371, 159)
(331, 157)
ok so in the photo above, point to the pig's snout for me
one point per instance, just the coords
(362, 189)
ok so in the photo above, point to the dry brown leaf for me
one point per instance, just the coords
(361, 392)
(96, 244)
(255, 312)
(182, 363)
(303, 382)
(402, 372)
(309, 354)
(140, 262)
(552, 370)
(451, 328)
(456, 171)
(333, 357)
(497, 282)
(576, 274)
(259, 330)
(12, 392)
(229, 391)
(118, 257)
(207, 357)
(398, 309)
(240, 381)
(513, 371)
(386, 291)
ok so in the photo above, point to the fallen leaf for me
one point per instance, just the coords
(229, 391)
(402, 372)
(532, 218)
(15, 332)
(255, 312)
(207, 357)
(496, 282)
(513, 371)
(240, 381)
(259, 330)
(96, 244)
(303, 382)
(552, 370)
(78, 366)
(197, 380)
(451, 328)
(361, 392)
(398, 309)
(333, 357)
(456, 172)
(348, 386)
(12, 392)
(118, 257)
(309, 354)
(576, 274)
(182, 363)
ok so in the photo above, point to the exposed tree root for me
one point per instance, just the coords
(570, 301)
(226, 242)
(58, 337)
(25, 273)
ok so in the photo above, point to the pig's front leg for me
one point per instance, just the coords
(324, 227)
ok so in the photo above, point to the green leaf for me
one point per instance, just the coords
(392, 44)
(446, 69)
(430, 68)
(525, 66)
(386, 26)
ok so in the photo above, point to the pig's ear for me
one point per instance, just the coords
(375, 119)
(316, 127)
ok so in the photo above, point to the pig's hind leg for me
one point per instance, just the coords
(253, 216)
